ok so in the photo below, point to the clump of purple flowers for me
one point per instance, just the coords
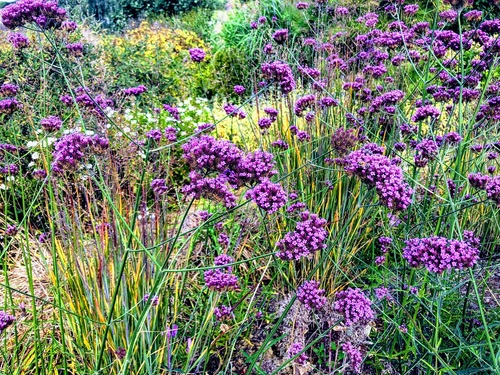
(8, 89)
(239, 90)
(75, 49)
(46, 14)
(221, 279)
(70, 150)
(205, 153)
(354, 355)
(268, 196)
(311, 295)
(135, 91)
(425, 112)
(51, 123)
(18, 40)
(379, 171)
(159, 186)
(223, 313)
(197, 54)
(280, 36)
(308, 237)
(354, 305)
(439, 254)
(281, 73)
(295, 349)
(9, 106)
(5, 320)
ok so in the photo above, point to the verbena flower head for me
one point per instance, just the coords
(205, 153)
(155, 135)
(220, 280)
(173, 111)
(171, 134)
(378, 171)
(214, 188)
(18, 40)
(424, 112)
(51, 123)
(197, 54)
(253, 168)
(154, 299)
(295, 349)
(9, 106)
(239, 90)
(439, 254)
(159, 186)
(8, 89)
(75, 49)
(354, 305)
(308, 237)
(311, 295)
(268, 196)
(5, 320)
(343, 141)
(354, 355)
(280, 36)
(135, 91)
(70, 150)
(281, 73)
(45, 14)
(223, 312)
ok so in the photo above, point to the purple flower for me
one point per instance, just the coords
(438, 254)
(223, 240)
(159, 186)
(9, 106)
(294, 350)
(174, 112)
(301, 5)
(75, 49)
(265, 123)
(424, 112)
(377, 170)
(310, 295)
(223, 313)
(253, 168)
(343, 140)
(205, 153)
(51, 123)
(215, 188)
(8, 89)
(354, 355)
(410, 9)
(281, 73)
(5, 320)
(135, 91)
(473, 15)
(221, 279)
(154, 299)
(280, 144)
(280, 36)
(308, 237)
(71, 149)
(171, 134)
(341, 11)
(46, 14)
(154, 135)
(354, 305)
(18, 40)
(11, 231)
(448, 15)
(69, 26)
(197, 54)
(268, 196)
(239, 90)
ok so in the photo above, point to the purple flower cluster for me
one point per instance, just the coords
(70, 150)
(426, 151)
(234, 111)
(439, 254)
(280, 36)
(51, 124)
(159, 186)
(155, 135)
(135, 91)
(311, 296)
(489, 184)
(18, 40)
(239, 90)
(46, 14)
(354, 305)
(171, 134)
(268, 196)
(223, 313)
(207, 154)
(425, 112)
(295, 349)
(9, 106)
(221, 279)
(173, 111)
(354, 355)
(5, 320)
(197, 54)
(281, 73)
(380, 172)
(308, 237)
(214, 188)
(253, 168)
(75, 49)
(8, 89)
(343, 140)
(303, 103)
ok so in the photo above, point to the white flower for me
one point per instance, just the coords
(35, 155)
(89, 132)
(10, 178)
(31, 144)
(31, 164)
(3, 187)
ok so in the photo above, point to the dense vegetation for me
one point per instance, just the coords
(277, 188)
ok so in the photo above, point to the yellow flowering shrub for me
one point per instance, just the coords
(158, 57)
